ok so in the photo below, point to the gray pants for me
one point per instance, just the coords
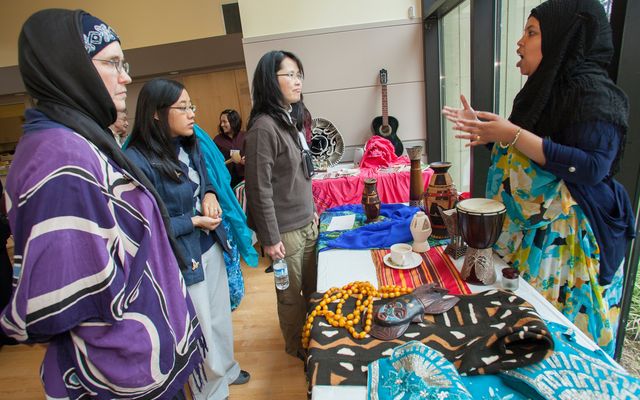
(211, 301)
(300, 246)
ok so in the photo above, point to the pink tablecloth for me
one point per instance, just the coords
(392, 188)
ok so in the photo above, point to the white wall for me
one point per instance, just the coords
(269, 17)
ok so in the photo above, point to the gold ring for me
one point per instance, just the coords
(477, 137)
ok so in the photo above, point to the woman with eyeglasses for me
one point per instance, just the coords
(164, 147)
(230, 141)
(95, 276)
(280, 207)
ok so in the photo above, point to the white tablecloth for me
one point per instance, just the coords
(336, 268)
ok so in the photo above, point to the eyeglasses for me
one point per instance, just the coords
(120, 65)
(184, 109)
(293, 75)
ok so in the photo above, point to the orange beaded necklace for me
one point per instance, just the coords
(365, 293)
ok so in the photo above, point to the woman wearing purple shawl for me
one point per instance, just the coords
(95, 274)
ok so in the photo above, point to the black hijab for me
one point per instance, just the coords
(59, 74)
(571, 84)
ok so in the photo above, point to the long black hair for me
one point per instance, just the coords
(235, 122)
(267, 97)
(151, 133)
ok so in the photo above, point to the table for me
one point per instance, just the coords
(335, 188)
(392, 186)
(331, 273)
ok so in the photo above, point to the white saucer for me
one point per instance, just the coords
(411, 261)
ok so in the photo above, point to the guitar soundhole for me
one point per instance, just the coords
(385, 130)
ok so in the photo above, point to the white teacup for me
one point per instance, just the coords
(400, 253)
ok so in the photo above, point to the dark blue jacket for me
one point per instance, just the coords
(179, 200)
(585, 170)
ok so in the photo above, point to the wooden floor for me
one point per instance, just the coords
(259, 349)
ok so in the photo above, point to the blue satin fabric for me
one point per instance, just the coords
(393, 229)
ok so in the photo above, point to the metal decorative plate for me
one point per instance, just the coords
(326, 142)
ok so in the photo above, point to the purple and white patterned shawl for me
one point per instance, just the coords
(94, 275)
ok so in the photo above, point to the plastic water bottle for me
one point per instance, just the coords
(281, 274)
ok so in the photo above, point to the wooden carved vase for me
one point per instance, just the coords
(370, 200)
(440, 192)
(416, 187)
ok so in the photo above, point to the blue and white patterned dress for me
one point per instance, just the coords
(547, 237)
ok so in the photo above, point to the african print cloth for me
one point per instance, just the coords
(573, 372)
(482, 334)
(392, 227)
(414, 372)
(547, 237)
(436, 267)
(95, 276)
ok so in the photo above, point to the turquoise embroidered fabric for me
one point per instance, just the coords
(414, 371)
(573, 372)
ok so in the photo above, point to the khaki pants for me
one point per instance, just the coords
(300, 247)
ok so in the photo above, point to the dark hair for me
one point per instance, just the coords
(234, 121)
(267, 97)
(151, 133)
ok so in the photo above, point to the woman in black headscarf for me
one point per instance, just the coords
(568, 221)
(94, 270)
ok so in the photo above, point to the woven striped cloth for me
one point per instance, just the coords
(436, 267)
(242, 199)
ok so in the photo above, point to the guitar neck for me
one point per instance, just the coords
(385, 109)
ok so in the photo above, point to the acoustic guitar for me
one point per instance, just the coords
(386, 125)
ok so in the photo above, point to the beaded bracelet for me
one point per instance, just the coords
(515, 139)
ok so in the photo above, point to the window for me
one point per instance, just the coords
(509, 81)
(455, 79)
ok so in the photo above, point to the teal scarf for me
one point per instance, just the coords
(221, 181)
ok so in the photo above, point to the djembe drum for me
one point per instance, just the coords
(480, 223)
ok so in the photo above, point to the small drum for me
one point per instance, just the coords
(480, 223)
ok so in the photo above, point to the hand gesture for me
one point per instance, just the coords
(479, 127)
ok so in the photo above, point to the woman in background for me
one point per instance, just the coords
(568, 220)
(280, 206)
(230, 139)
(94, 269)
(164, 147)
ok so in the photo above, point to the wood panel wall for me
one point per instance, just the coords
(214, 92)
